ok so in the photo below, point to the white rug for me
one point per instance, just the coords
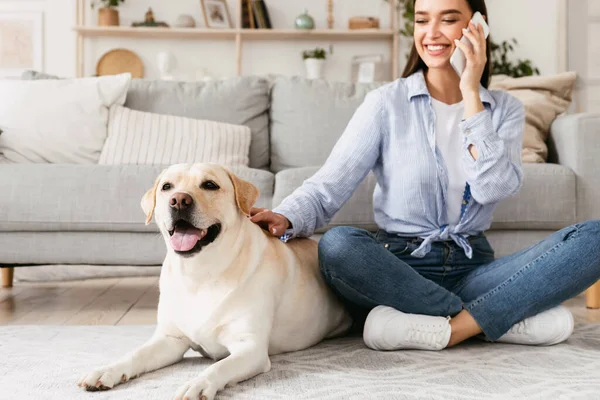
(44, 362)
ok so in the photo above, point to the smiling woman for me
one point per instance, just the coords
(435, 34)
(445, 151)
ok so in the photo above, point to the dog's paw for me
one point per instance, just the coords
(197, 389)
(104, 378)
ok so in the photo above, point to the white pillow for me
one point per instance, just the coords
(136, 137)
(57, 121)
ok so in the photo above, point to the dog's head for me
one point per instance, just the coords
(194, 204)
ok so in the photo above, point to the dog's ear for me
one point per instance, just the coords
(246, 193)
(149, 200)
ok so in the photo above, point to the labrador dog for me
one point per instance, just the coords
(228, 289)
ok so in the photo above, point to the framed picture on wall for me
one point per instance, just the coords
(216, 14)
(21, 42)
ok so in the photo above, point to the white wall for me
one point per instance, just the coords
(535, 25)
(58, 40)
(532, 22)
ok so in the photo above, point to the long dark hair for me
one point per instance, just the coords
(415, 62)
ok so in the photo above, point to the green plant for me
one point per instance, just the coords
(107, 3)
(408, 15)
(407, 8)
(316, 53)
(501, 65)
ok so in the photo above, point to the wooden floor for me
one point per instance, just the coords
(118, 301)
(114, 301)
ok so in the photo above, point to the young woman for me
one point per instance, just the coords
(445, 151)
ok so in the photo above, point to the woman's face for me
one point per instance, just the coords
(437, 24)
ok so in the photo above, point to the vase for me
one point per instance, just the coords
(185, 21)
(108, 16)
(165, 63)
(304, 21)
(314, 68)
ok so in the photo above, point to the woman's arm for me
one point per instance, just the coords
(492, 159)
(313, 204)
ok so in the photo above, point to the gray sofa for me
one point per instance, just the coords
(90, 214)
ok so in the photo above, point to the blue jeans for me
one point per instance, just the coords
(366, 270)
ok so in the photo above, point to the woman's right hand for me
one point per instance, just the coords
(275, 224)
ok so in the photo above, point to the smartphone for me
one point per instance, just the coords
(458, 59)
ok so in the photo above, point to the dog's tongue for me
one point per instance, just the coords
(185, 238)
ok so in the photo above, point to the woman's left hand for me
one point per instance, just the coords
(476, 58)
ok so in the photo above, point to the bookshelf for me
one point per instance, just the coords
(239, 35)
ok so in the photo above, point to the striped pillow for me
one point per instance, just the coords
(136, 137)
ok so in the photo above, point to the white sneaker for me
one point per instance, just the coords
(389, 329)
(544, 329)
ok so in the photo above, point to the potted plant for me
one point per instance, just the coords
(502, 66)
(314, 60)
(108, 15)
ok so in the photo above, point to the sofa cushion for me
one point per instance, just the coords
(137, 137)
(357, 211)
(238, 101)
(88, 248)
(544, 98)
(308, 117)
(57, 121)
(546, 200)
(88, 197)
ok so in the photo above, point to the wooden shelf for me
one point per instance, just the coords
(145, 32)
(256, 34)
(319, 34)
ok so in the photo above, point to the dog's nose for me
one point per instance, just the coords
(181, 201)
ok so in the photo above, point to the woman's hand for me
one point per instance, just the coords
(476, 59)
(275, 224)
(471, 77)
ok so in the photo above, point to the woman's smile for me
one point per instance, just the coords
(436, 50)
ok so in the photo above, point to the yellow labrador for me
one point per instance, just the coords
(227, 289)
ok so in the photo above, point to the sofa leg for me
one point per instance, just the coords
(592, 296)
(7, 276)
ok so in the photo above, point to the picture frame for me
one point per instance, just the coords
(21, 35)
(216, 14)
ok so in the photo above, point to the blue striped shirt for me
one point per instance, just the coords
(392, 133)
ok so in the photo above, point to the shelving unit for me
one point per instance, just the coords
(257, 34)
(238, 34)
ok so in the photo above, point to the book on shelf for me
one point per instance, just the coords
(262, 14)
(247, 21)
(258, 14)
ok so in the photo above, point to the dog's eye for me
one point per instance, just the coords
(209, 185)
(166, 186)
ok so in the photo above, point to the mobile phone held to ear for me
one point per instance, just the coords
(458, 59)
